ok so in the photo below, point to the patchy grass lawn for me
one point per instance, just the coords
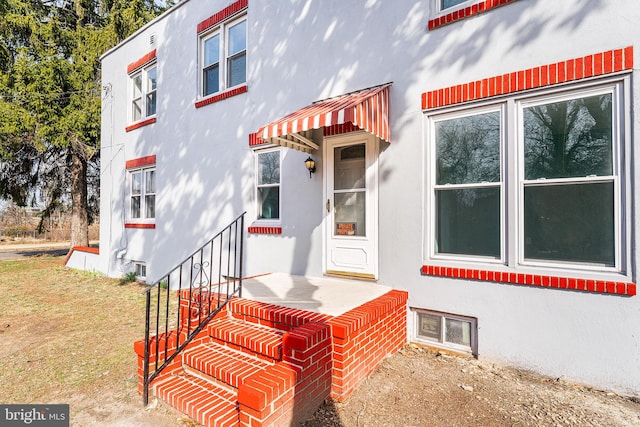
(67, 337)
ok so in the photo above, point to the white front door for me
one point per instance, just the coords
(351, 220)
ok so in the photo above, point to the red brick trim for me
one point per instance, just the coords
(340, 129)
(140, 124)
(255, 140)
(222, 15)
(140, 226)
(136, 65)
(265, 230)
(80, 249)
(466, 12)
(587, 285)
(598, 64)
(221, 96)
(141, 161)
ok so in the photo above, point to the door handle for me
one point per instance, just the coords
(328, 205)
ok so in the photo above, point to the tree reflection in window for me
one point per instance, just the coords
(569, 203)
(468, 187)
(568, 139)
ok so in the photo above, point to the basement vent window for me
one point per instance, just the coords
(141, 271)
(450, 331)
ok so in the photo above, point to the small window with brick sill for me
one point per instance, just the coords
(449, 331)
(141, 271)
(224, 57)
(268, 186)
(143, 93)
(143, 193)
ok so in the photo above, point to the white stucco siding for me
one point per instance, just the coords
(303, 51)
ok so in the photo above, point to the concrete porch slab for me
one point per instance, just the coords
(326, 295)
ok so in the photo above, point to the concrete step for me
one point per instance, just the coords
(205, 402)
(265, 342)
(222, 364)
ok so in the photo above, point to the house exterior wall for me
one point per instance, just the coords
(302, 51)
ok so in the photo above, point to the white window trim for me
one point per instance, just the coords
(142, 72)
(222, 30)
(513, 190)
(258, 220)
(143, 192)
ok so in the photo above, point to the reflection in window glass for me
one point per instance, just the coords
(238, 38)
(349, 167)
(468, 222)
(268, 185)
(445, 4)
(468, 149)
(573, 223)
(430, 326)
(457, 332)
(350, 214)
(569, 138)
(269, 168)
(269, 202)
(468, 187)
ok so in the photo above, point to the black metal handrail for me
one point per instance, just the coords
(209, 289)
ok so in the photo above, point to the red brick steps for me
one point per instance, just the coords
(223, 363)
(202, 400)
(238, 334)
(258, 365)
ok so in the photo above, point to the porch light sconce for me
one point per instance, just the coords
(311, 165)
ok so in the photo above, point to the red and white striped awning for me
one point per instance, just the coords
(367, 109)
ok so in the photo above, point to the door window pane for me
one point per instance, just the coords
(349, 167)
(350, 214)
(569, 138)
(572, 223)
(468, 221)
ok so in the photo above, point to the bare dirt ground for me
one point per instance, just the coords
(67, 337)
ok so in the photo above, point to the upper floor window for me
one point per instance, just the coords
(545, 191)
(144, 87)
(446, 4)
(268, 184)
(143, 193)
(224, 56)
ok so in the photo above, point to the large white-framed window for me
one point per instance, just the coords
(143, 93)
(569, 180)
(142, 193)
(224, 56)
(268, 164)
(467, 183)
(533, 180)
